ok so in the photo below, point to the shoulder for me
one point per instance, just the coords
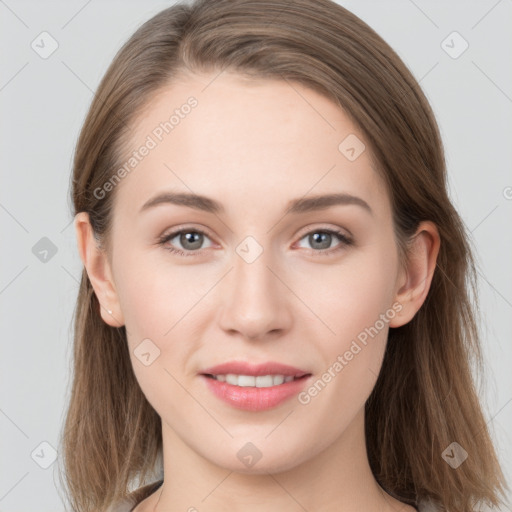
(427, 506)
(134, 498)
(125, 505)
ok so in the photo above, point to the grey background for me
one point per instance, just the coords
(43, 104)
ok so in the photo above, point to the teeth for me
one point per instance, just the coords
(261, 381)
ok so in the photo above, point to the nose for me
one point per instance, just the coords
(256, 301)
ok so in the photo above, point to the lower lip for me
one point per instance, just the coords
(252, 398)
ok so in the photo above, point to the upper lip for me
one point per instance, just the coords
(245, 368)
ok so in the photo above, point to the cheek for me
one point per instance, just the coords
(357, 305)
(160, 303)
(151, 296)
(356, 293)
(152, 307)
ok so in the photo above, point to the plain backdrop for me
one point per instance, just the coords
(43, 104)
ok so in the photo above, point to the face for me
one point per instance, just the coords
(259, 278)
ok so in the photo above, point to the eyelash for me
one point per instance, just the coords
(345, 241)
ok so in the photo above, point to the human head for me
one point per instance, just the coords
(350, 65)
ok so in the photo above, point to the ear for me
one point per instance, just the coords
(414, 281)
(98, 269)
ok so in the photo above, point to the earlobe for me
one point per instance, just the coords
(417, 277)
(98, 269)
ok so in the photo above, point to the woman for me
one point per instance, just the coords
(274, 311)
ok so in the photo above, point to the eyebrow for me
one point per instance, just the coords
(295, 206)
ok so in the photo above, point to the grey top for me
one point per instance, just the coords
(129, 503)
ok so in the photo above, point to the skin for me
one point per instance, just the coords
(253, 146)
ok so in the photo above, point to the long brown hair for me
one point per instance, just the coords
(425, 397)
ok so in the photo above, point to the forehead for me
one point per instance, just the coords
(233, 138)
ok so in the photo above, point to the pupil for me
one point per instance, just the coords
(325, 244)
(188, 238)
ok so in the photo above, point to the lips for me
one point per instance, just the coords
(245, 368)
(251, 398)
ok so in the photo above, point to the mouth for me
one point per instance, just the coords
(247, 370)
(260, 381)
(252, 387)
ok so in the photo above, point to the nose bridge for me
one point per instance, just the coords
(255, 300)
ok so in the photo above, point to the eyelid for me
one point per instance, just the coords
(321, 227)
(196, 228)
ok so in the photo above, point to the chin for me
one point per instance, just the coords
(253, 458)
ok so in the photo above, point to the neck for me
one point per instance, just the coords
(338, 478)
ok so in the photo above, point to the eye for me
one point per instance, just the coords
(321, 241)
(190, 239)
